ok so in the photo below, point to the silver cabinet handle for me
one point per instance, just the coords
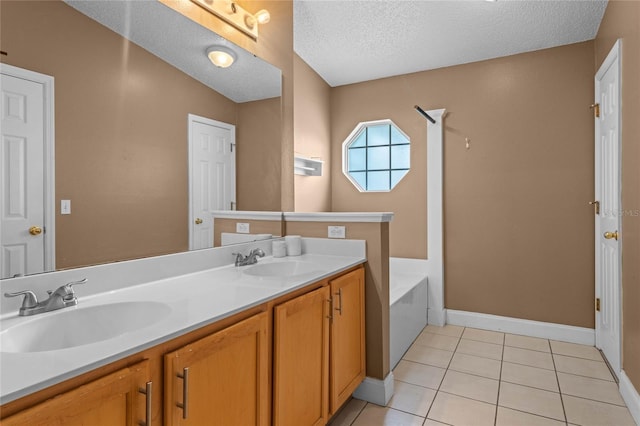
(148, 392)
(330, 316)
(339, 294)
(185, 392)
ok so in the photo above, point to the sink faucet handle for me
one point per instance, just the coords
(69, 286)
(72, 283)
(29, 300)
(66, 291)
(239, 258)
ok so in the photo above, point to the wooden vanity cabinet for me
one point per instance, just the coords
(348, 363)
(116, 399)
(319, 351)
(301, 360)
(299, 357)
(221, 379)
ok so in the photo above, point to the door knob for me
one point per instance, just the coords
(198, 221)
(35, 230)
(611, 235)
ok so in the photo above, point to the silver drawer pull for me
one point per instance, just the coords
(339, 294)
(185, 392)
(148, 392)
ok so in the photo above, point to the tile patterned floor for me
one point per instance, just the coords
(463, 376)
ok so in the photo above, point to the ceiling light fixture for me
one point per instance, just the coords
(221, 56)
(235, 15)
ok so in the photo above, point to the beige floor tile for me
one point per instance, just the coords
(456, 410)
(582, 367)
(587, 413)
(447, 330)
(470, 386)
(419, 374)
(411, 398)
(349, 412)
(529, 376)
(509, 417)
(484, 367)
(586, 387)
(427, 355)
(528, 357)
(430, 422)
(483, 349)
(438, 341)
(531, 400)
(526, 342)
(578, 351)
(483, 335)
(374, 415)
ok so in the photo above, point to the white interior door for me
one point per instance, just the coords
(26, 159)
(608, 193)
(212, 176)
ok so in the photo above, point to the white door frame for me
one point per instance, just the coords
(613, 57)
(49, 157)
(192, 118)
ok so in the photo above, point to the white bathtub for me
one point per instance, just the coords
(408, 303)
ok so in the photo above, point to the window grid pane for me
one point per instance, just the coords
(378, 157)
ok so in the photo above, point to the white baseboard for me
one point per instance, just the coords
(630, 395)
(545, 330)
(436, 316)
(375, 391)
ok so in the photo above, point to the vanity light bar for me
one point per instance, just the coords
(235, 15)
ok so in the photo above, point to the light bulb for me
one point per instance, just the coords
(221, 56)
(263, 16)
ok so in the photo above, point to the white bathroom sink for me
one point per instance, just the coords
(285, 269)
(80, 326)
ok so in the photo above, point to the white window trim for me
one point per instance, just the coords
(345, 158)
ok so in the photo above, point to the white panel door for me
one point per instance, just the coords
(607, 224)
(22, 180)
(212, 176)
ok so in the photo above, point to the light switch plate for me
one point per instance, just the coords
(65, 206)
(242, 228)
(337, 232)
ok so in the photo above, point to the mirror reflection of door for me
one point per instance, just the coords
(212, 176)
(26, 180)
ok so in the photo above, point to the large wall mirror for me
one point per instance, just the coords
(127, 74)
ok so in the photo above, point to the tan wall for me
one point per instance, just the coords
(518, 231)
(258, 155)
(376, 284)
(121, 126)
(391, 98)
(312, 136)
(275, 45)
(621, 21)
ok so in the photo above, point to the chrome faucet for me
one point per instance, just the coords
(59, 298)
(250, 259)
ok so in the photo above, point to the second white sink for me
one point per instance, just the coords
(80, 326)
(285, 269)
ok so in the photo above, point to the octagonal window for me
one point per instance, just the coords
(376, 156)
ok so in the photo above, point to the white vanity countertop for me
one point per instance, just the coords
(195, 300)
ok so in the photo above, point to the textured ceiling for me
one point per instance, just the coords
(183, 43)
(349, 41)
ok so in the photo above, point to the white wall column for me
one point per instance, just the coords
(435, 230)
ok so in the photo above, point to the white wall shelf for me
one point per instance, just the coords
(307, 166)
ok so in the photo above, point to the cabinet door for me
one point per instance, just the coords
(222, 379)
(347, 336)
(301, 360)
(113, 400)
